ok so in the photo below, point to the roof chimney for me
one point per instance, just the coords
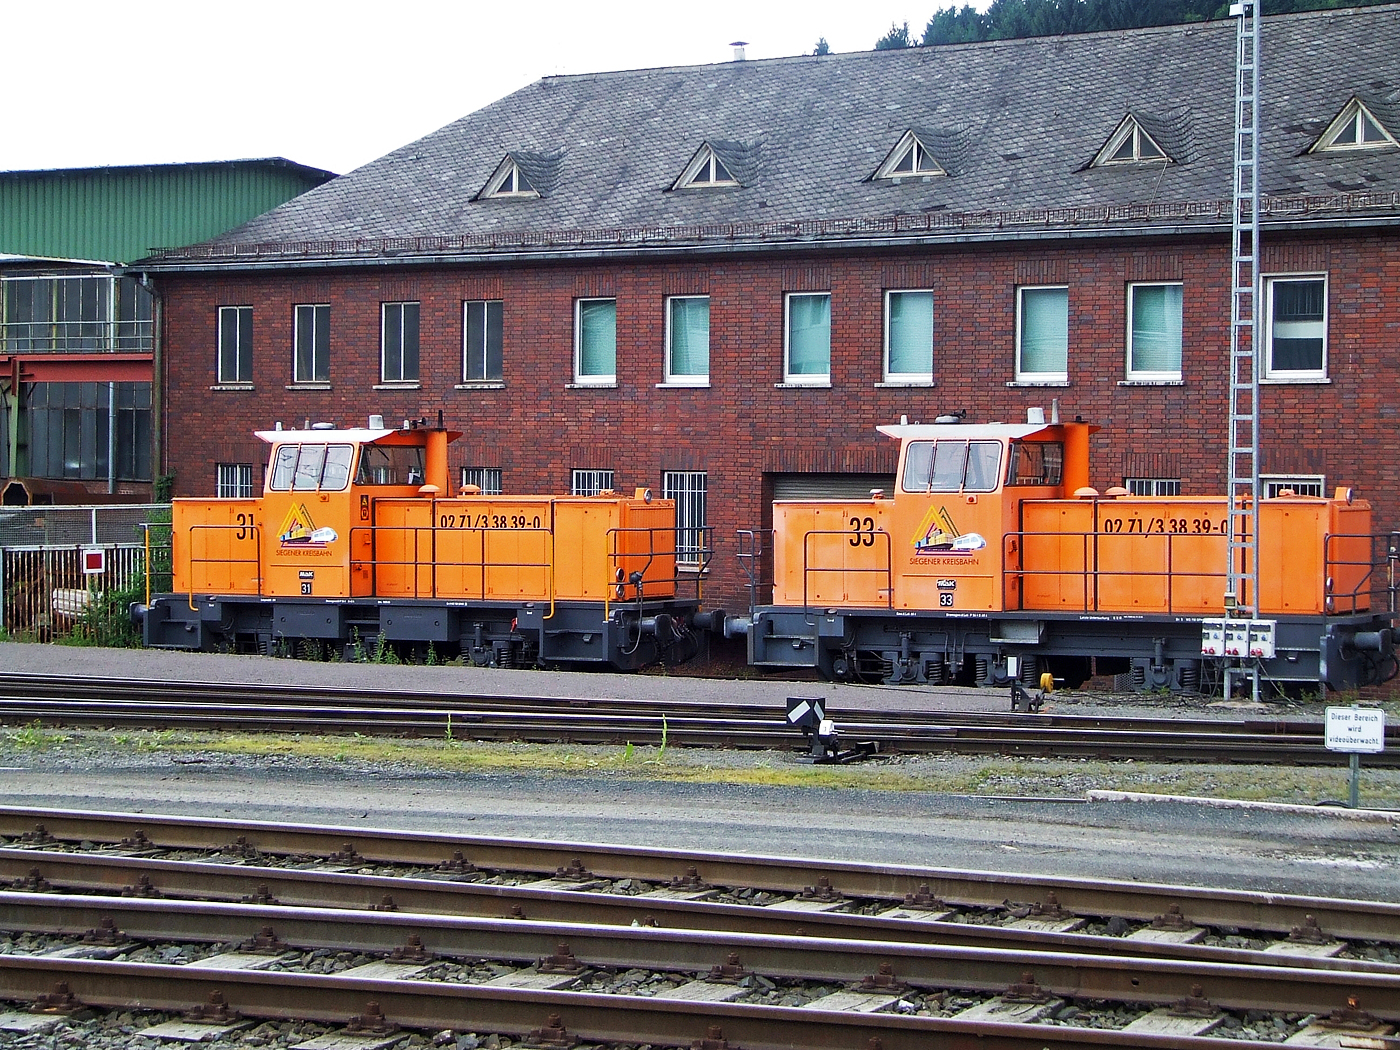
(738, 46)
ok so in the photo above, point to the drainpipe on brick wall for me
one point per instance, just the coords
(158, 457)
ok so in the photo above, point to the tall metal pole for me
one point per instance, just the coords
(1242, 572)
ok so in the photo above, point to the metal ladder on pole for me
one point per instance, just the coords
(1242, 574)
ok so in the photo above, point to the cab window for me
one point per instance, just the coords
(390, 465)
(1036, 463)
(952, 466)
(306, 468)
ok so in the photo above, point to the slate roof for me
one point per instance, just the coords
(1019, 120)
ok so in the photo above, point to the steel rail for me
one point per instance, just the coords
(938, 734)
(15, 686)
(1245, 909)
(926, 967)
(116, 876)
(591, 1017)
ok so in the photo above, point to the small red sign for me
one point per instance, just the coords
(94, 561)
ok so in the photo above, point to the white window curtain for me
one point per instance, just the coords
(1045, 331)
(809, 335)
(911, 333)
(690, 336)
(597, 351)
(1157, 328)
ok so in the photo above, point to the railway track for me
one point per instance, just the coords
(579, 964)
(68, 701)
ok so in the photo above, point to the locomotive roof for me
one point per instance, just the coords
(353, 435)
(983, 431)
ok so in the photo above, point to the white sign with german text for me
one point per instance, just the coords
(1360, 729)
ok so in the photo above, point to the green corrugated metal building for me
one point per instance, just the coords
(80, 345)
(119, 214)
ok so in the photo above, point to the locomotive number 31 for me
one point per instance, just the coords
(863, 532)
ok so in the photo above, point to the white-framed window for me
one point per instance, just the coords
(486, 479)
(1272, 486)
(399, 342)
(1042, 334)
(909, 157)
(482, 340)
(509, 181)
(235, 344)
(687, 488)
(595, 341)
(311, 359)
(1128, 144)
(1296, 327)
(1153, 486)
(909, 337)
(688, 340)
(807, 339)
(705, 169)
(235, 481)
(1355, 127)
(590, 482)
(1154, 331)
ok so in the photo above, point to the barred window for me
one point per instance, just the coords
(687, 488)
(487, 479)
(591, 482)
(235, 481)
(1272, 486)
(1153, 486)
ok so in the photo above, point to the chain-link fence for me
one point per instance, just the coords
(68, 573)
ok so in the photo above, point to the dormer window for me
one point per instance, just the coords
(1355, 127)
(1131, 144)
(704, 170)
(909, 157)
(509, 181)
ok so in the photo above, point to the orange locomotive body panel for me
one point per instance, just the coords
(1167, 554)
(215, 546)
(833, 553)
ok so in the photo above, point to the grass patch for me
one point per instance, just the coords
(945, 774)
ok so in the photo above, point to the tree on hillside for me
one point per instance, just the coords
(896, 38)
(1014, 19)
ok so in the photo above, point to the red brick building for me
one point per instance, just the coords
(716, 281)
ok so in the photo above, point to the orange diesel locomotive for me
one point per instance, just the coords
(355, 541)
(993, 559)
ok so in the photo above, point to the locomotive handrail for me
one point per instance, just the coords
(706, 551)
(1091, 574)
(1336, 601)
(435, 563)
(807, 567)
(750, 543)
(1364, 585)
(254, 533)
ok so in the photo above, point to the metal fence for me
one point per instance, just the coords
(46, 589)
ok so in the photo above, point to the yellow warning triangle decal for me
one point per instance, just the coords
(297, 525)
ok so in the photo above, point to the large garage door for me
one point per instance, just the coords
(830, 486)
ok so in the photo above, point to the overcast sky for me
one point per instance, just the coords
(335, 85)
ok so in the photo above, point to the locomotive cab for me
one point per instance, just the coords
(937, 543)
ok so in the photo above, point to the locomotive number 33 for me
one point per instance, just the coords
(862, 532)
